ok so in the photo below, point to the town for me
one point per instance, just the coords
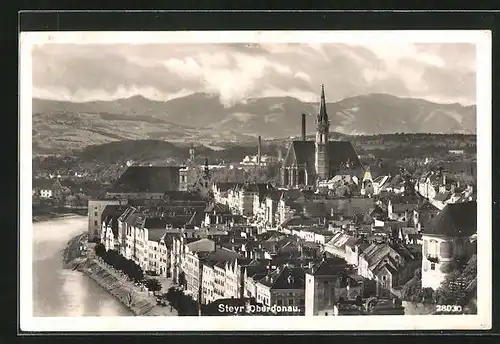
(334, 236)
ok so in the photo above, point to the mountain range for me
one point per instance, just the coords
(203, 119)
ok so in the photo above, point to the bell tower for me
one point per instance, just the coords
(321, 142)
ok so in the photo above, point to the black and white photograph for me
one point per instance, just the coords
(179, 181)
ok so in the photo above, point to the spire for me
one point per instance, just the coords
(322, 107)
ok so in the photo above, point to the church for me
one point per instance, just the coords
(308, 162)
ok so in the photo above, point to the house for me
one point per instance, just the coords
(423, 215)
(252, 273)
(379, 182)
(367, 188)
(394, 184)
(47, 188)
(428, 184)
(220, 191)
(400, 211)
(447, 239)
(109, 230)
(95, 208)
(123, 231)
(409, 235)
(191, 264)
(441, 199)
(285, 286)
(216, 213)
(353, 248)
(336, 245)
(270, 205)
(327, 282)
(381, 262)
(221, 276)
(155, 232)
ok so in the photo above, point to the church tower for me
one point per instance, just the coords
(321, 143)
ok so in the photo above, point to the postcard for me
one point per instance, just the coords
(186, 181)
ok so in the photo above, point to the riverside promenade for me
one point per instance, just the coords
(80, 255)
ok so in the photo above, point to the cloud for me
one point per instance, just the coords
(235, 72)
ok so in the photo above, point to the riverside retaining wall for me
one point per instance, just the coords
(138, 305)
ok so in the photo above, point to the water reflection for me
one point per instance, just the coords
(59, 292)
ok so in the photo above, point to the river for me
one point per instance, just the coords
(58, 292)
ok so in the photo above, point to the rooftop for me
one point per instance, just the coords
(285, 277)
(456, 219)
(147, 179)
(328, 267)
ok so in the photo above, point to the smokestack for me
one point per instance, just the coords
(259, 152)
(303, 127)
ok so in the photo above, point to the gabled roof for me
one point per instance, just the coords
(328, 267)
(112, 222)
(156, 234)
(339, 240)
(298, 220)
(136, 219)
(155, 223)
(427, 206)
(218, 208)
(285, 277)
(374, 253)
(113, 211)
(442, 196)
(150, 179)
(225, 186)
(221, 257)
(456, 219)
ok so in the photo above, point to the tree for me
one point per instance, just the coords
(100, 250)
(153, 285)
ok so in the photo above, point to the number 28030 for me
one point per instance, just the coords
(449, 308)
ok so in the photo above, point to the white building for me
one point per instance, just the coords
(447, 239)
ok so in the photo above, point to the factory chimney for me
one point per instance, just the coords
(303, 127)
(259, 152)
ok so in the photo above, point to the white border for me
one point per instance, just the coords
(482, 320)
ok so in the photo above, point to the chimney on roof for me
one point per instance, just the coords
(259, 152)
(303, 127)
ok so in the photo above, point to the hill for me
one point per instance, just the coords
(201, 118)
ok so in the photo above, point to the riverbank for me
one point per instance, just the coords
(53, 216)
(139, 302)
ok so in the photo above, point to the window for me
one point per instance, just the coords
(95, 223)
(433, 266)
(384, 278)
(290, 302)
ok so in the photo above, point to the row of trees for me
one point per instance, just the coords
(118, 262)
(127, 266)
(184, 304)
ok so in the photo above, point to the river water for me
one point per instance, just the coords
(65, 293)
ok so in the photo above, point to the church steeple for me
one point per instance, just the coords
(322, 115)
(321, 143)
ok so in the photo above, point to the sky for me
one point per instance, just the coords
(443, 73)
